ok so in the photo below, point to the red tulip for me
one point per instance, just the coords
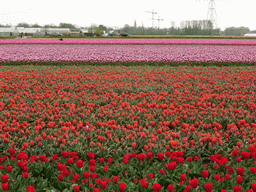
(9, 168)
(94, 175)
(253, 170)
(182, 177)
(157, 187)
(144, 184)
(11, 151)
(172, 165)
(239, 179)
(103, 185)
(60, 177)
(5, 178)
(253, 186)
(205, 173)
(217, 177)
(122, 186)
(237, 188)
(30, 188)
(240, 171)
(64, 154)
(115, 178)
(170, 187)
(86, 174)
(77, 188)
(187, 188)
(25, 175)
(208, 187)
(227, 176)
(162, 172)
(5, 186)
(234, 153)
(150, 176)
(193, 182)
(160, 156)
(79, 163)
(149, 155)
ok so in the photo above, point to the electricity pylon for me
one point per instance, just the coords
(211, 14)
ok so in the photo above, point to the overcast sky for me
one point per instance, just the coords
(117, 13)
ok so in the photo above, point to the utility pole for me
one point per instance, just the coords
(152, 16)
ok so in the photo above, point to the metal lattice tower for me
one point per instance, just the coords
(212, 15)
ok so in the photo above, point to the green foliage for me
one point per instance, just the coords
(98, 30)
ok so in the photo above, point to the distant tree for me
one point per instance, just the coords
(236, 31)
(91, 28)
(173, 24)
(110, 29)
(36, 26)
(128, 29)
(104, 28)
(26, 25)
(98, 30)
(67, 25)
(50, 26)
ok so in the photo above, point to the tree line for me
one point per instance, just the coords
(188, 27)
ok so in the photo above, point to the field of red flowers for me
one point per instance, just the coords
(137, 128)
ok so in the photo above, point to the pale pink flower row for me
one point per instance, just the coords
(129, 41)
(128, 53)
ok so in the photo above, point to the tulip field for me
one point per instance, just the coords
(133, 128)
(131, 41)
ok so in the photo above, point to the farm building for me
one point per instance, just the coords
(56, 31)
(8, 31)
(75, 30)
(30, 31)
(84, 30)
(87, 32)
(250, 35)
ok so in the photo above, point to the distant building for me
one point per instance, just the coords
(8, 31)
(84, 30)
(30, 31)
(250, 35)
(75, 30)
(87, 32)
(56, 31)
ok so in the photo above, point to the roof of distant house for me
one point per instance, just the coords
(250, 35)
(7, 29)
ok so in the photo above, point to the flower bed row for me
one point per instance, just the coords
(144, 172)
(129, 53)
(130, 41)
(127, 128)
